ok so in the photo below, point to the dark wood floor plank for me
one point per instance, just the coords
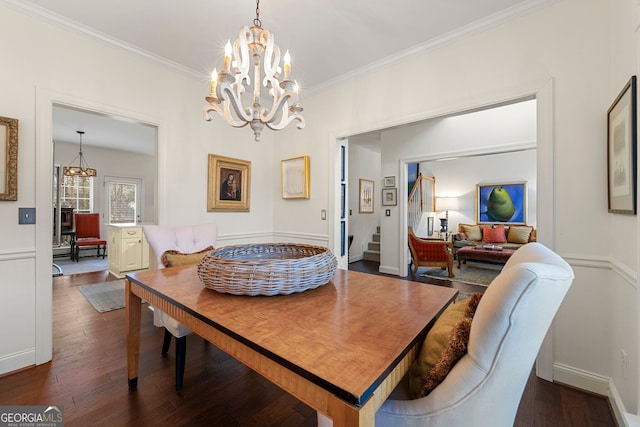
(88, 377)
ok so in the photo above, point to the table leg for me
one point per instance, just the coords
(133, 310)
(345, 415)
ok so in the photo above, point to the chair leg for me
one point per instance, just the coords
(166, 342)
(181, 351)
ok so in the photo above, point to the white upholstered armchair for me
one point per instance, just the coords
(485, 386)
(186, 240)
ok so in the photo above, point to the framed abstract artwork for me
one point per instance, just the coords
(366, 196)
(294, 178)
(229, 184)
(501, 203)
(621, 151)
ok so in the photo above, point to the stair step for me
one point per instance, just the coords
(374, 246)
(371, 256)
(376, 237)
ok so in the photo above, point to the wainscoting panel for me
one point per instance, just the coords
(17, 310)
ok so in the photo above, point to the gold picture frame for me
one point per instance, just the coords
(229, 184)
(294, 178)
(8, 159)
(366, 196)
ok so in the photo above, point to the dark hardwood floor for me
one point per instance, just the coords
(88, 377)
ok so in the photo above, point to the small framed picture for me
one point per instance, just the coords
(621, 151)
(389, 181)
(389, 196)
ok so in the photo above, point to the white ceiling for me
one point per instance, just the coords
(329, 40)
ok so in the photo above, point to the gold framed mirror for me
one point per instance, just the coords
(8, 159)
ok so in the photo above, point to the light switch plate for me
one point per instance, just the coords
(26, 215)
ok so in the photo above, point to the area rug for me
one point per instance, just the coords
(85, 265)
(105, 296)
(476, 274)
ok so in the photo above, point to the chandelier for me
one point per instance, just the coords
(254, 47)
(83, 168)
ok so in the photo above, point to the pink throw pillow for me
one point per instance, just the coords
(493, 234)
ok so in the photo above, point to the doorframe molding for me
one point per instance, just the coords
(542, 91)
(46, 98)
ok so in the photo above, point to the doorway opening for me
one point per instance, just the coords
(124, 153)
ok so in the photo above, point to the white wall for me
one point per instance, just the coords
(50, 64)
(562, 52)
(577, 52)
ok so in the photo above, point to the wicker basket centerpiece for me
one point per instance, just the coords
(267, 269)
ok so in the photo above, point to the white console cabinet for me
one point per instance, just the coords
(128, 249)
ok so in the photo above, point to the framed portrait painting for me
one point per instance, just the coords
(621, 151)
(294, 178)
(501, 203)
(229, 184)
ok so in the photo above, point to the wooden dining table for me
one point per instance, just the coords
(340, 348)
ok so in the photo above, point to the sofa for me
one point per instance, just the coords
(505, 236)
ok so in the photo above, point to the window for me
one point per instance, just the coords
(77, 193)
(123, 199)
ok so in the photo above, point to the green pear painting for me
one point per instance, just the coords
(502, 203)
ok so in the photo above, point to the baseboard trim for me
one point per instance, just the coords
(593, 383)
(17, 361)
(389, 270)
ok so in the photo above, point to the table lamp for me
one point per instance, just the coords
(446, 204)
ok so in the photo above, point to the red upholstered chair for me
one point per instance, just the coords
(88, 235)
(430, 253)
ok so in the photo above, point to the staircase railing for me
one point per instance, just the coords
(421, 199)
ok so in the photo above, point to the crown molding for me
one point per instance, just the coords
(62, 21)
(473, 28)
(460, 33)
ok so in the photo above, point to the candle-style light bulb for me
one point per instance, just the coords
(287, 64)
(227, 55)
(296, 91)
(214, 81)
